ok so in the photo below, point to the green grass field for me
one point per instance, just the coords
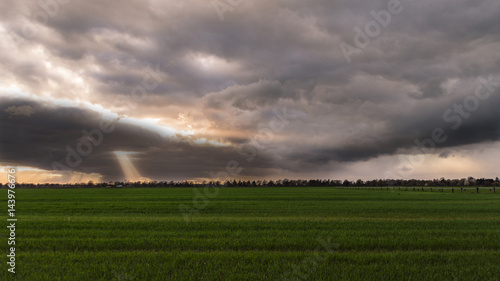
(253, 234)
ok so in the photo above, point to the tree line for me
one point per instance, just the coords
(470, 181)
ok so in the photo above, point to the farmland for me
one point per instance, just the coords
(254, 234)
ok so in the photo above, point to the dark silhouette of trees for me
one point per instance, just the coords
(442, 182)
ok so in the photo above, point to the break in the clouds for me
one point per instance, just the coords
(194, 90)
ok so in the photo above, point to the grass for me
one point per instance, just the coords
(253, 234)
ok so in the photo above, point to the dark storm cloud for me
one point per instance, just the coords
(463, 125)
(264, 56)
(37, 135)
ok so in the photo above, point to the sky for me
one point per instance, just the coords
(239, 89)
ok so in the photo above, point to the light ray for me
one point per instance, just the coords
(128, 168)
